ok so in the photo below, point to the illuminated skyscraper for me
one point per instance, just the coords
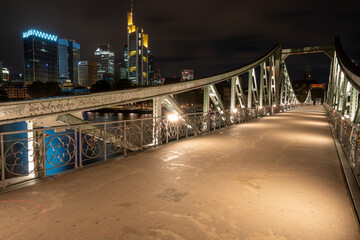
(125, 67)
(150, 68)
(87, 73)
(40, 56)
(69, 57)
(105, 59)
(138, 44)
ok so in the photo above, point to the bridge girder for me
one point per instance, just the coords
(328, 50)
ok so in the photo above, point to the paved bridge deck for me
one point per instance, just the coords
(275, 178)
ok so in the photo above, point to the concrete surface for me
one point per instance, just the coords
(275, 178)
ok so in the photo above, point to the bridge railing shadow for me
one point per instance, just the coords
(39, 153)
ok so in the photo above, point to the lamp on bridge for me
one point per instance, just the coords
(172, 117)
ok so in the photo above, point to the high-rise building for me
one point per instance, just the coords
(88, 73)
(187, 74)
(105, 59)
(126, 62)
(69, 57)
(40, 56)
(151, 68)
(138, 45)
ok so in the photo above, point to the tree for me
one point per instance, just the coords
(40, 89)
(121, 84)
(100, 86)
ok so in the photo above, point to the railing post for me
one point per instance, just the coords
(177, 130)
(167, 130)
(214, 120)
(187, 120)
(43, 156)
(3, 180)
(124, 138)
(76, 147)
(80, 148)
(141, 133)
(105, 147)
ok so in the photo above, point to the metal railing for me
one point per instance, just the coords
(39, 153)
(348, 134)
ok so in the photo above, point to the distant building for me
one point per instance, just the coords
(105, 59)
(5, 74)
(40, 56)
(17, 91)
(157, 79)
(88, 73)
(123, 71)
(302, 86)
(151, 68)
(187, 74)
(69, 57)
(138, 45)
(124, 68)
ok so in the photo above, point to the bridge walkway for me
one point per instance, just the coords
(274, 178)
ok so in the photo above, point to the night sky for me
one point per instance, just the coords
(207, 36)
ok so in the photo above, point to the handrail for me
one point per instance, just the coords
(351, 71)
(20, 111)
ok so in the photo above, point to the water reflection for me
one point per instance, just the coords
(98, 117)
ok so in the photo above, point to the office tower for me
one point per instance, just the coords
(40, 56)
(187, 74)
(124, 69)
(17, 90)
(88, 73)
(105, 59)
(150, 68)
(137, 52)
(69, 57)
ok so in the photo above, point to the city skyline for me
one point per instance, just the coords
(209, 38)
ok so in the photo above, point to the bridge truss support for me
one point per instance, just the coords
(237, 90)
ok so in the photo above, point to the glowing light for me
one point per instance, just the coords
(31, 165)
(132, 28)
(172, 117)
(37, 33)
(130, 19)
(146, 40)
(235, 110)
